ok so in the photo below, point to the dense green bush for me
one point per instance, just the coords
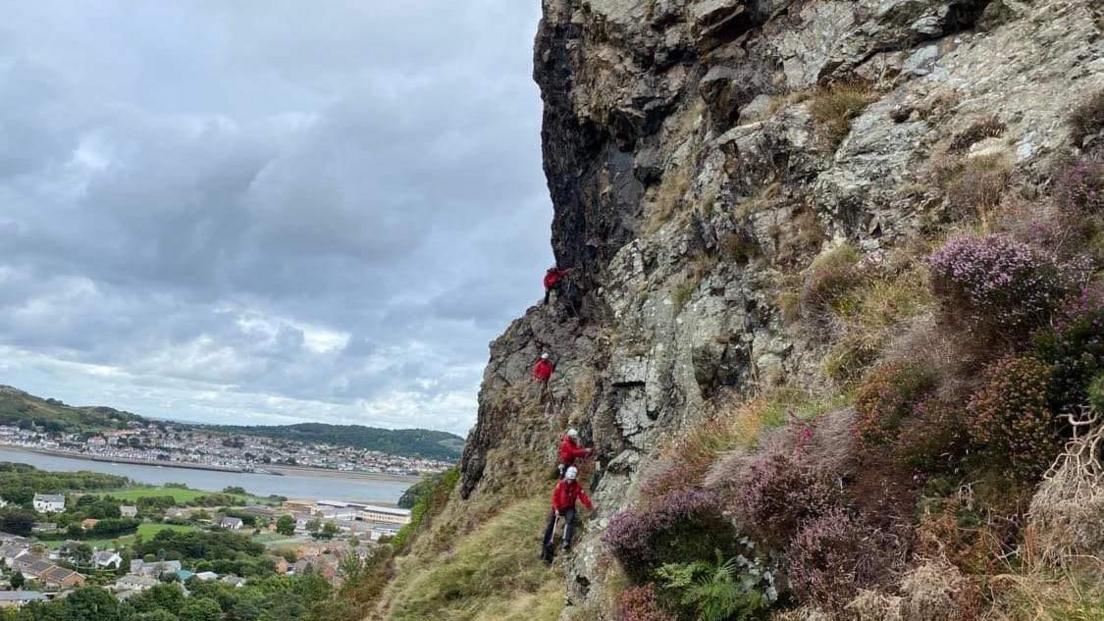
(886, 397)
(199, 545)
(738, 588)
(1096, 393)
(1010, 420)
(1075, 353)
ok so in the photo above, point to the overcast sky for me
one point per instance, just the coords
(270, 211)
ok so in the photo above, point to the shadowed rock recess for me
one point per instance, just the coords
(733, 180)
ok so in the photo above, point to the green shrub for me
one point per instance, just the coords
(886, 397)
(431, 501)
(828, 280)
(1096, 393)
(832, 109)
(1010, 419)
(734, 589)
(1075, 353)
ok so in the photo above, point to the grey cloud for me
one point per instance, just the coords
(228, 205)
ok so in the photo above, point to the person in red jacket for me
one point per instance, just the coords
(542, 372)
(552, 279)
(570, 450)
(564, 496)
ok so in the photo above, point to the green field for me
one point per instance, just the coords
(146, 530)
(180, 495)
(273, 540)
(132, 494)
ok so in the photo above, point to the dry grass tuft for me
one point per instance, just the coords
(989, 127)
(833, 108)
(975, 185)
(668, 198)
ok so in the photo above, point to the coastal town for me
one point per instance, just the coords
(158, 538)
(167, 443)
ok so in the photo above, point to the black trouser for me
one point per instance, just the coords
(548, 292)
(568, 516)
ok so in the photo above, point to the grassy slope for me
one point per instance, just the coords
(16, 406)
(490, 573)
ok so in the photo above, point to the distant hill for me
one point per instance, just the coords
(410, 442)
(21, 408)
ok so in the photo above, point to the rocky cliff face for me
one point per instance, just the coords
(693, 176)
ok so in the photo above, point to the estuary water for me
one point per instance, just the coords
(305, 485)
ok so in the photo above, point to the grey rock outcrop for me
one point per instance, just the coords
(688, 177)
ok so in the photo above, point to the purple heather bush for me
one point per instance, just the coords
(778, 495)
(682, 526)
(1080, 188)
(995, 282)
(834, 556)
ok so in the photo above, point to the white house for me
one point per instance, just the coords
(106, 559)
(153, 568)
(231, 523)
(11, 551)
(128, 511)
(49, 503)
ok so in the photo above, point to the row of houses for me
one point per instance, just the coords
(46, 572)
(55, 503)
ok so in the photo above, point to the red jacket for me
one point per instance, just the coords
(552, 277)
(566, 493)
(543, 370)
(569, 451)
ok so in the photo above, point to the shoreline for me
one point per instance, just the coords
(272, 470)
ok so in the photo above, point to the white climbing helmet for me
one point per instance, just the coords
(572, 473)
(573, 433)
(544, 355)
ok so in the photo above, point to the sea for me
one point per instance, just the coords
(321, 486)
